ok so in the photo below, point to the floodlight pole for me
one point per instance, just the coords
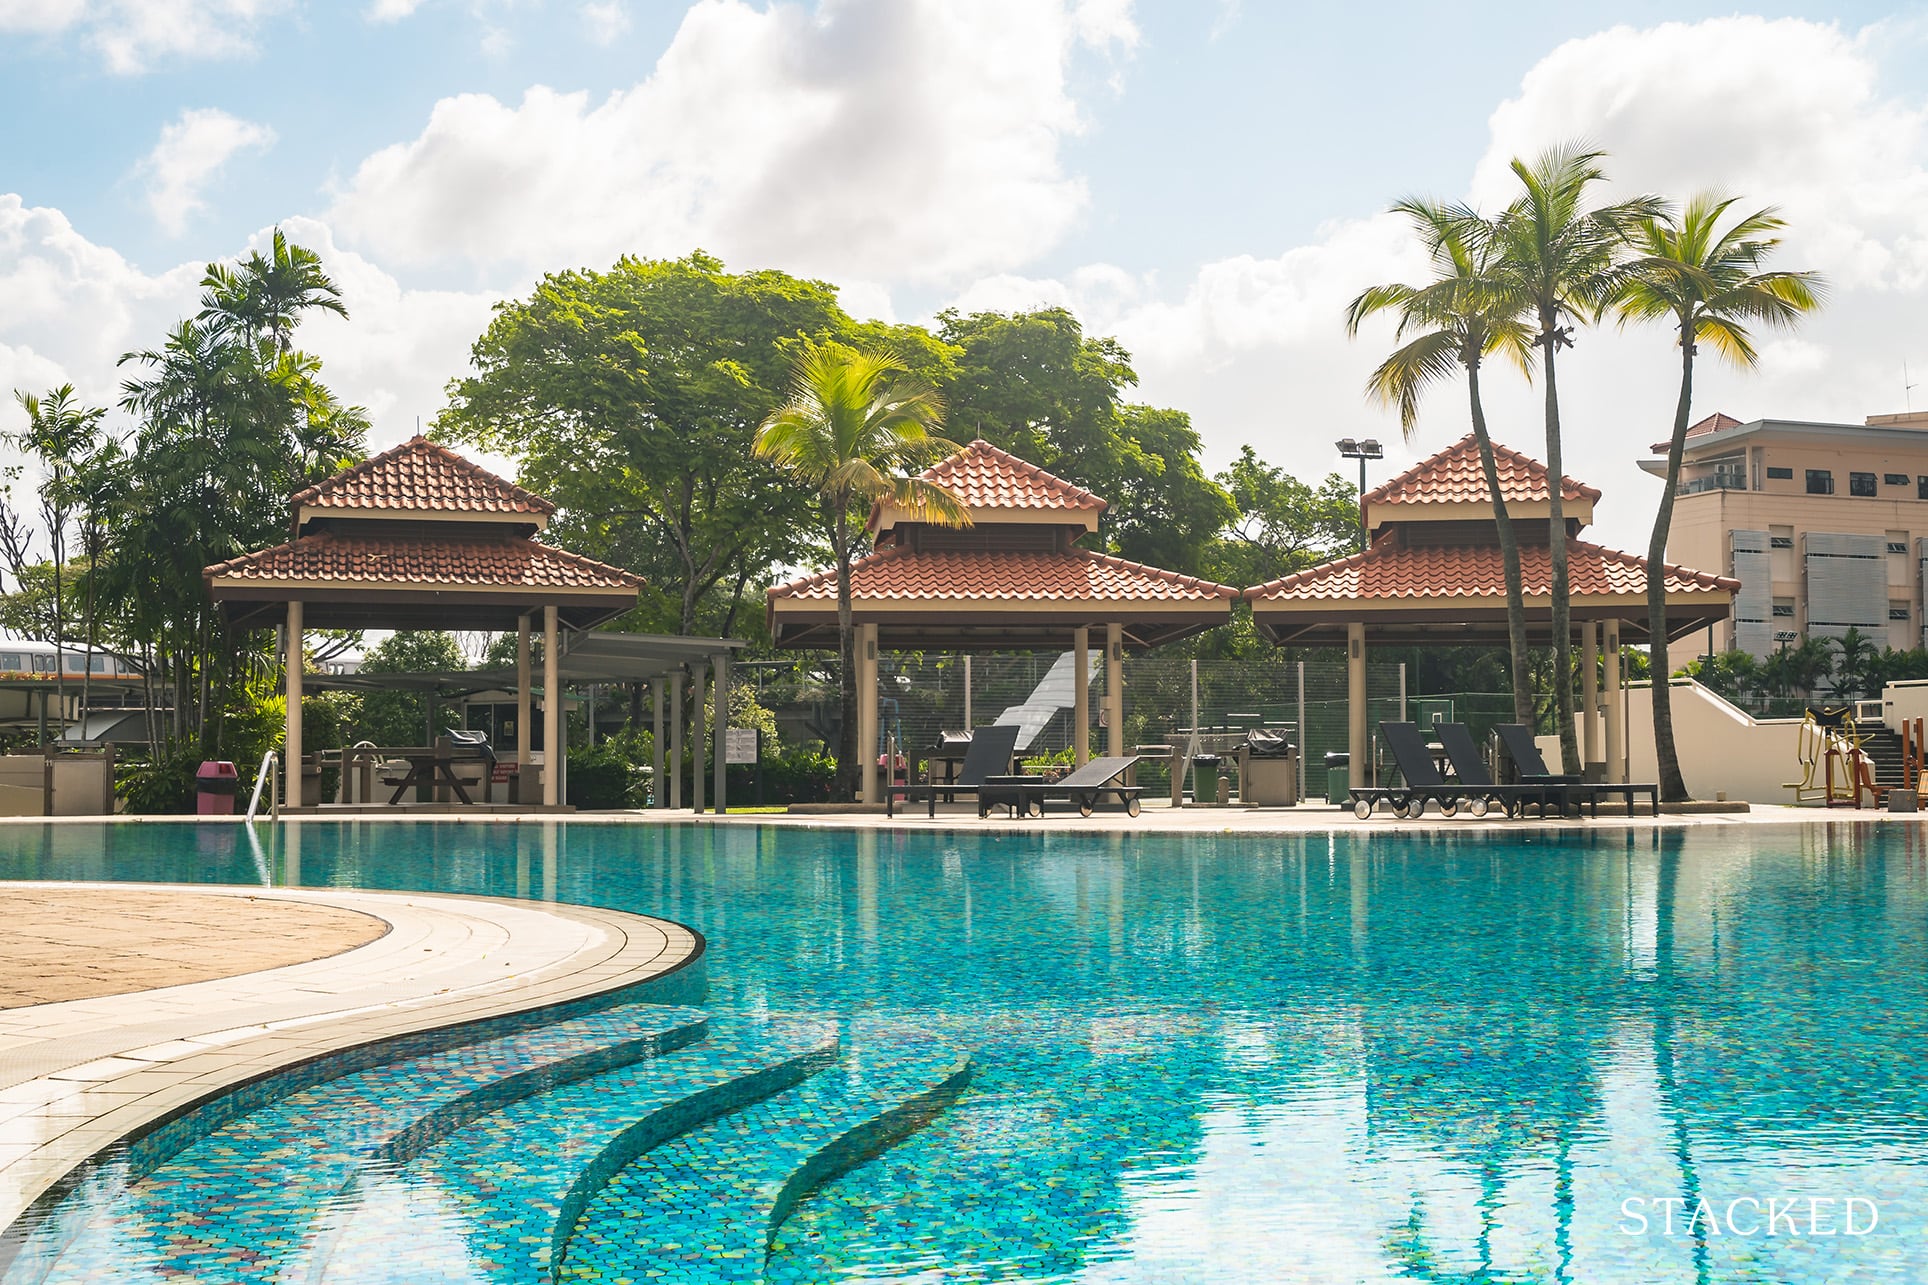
(1361, 450)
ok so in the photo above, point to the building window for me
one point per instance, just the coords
(1784, 609)
(1820, 481)
(1921, 488)
(1894, 479)
(1780, 542)
(1897, 611)
(1860, 484)
(1787, 475)
(1897, 546)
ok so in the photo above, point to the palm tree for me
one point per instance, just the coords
(265, 296)
(1466, 313)
(1707, 282)
(60, 432)
(856, 427)
(1566, 263)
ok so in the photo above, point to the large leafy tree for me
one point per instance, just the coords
(1036, 385)
(857, 427)
(1707, 281)
(1565, 258)
(631, 398)
(392, 717)
(1467, 312)
(1283, 524)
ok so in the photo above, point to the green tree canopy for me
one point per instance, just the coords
(1283, 524)
(401, 718)
(1036, 385)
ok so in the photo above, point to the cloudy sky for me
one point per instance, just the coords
(1206, 180)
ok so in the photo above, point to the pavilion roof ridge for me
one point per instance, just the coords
(1316, 571)
(1449, 571)
(987, 476)
(474, 549)
(1212, 587)
(1456, 474)
(419, 475)
(1705, 579)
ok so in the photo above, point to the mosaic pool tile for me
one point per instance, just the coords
(701, 1208)
(509, 1183)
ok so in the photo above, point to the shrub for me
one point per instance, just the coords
(599, 778)
(163, 785)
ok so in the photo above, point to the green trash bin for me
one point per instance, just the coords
(1338, 778)
(1205, 779)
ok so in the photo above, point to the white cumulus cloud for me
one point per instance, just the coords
(900, 140)
(131, 35)
(191, 151)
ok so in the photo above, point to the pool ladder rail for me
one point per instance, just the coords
(266, 777)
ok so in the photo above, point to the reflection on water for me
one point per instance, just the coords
(1416, 1058)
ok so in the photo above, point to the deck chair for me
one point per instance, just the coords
(1423, 783)
(988, 755)
(1471, 772)
(1517, 738)
(1096, 780)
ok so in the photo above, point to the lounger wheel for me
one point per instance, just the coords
(1477, 807)
(1362, 809)
(1086, 805)
(1132, 808)
(1448, 808)
(1402, 809)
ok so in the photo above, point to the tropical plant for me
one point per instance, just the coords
(855, 428)
(1470, 310)
(1564, 261)
(1706, 281)
(263, 298)
(1857, 668)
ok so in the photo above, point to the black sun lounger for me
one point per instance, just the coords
(1471, 772)
(989, 755)
(1423, 783)
(1518, 740)
(1097, 780)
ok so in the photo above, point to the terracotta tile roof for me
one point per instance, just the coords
(453, 563)
(1715, 423)
(1475, 571)
(1455, 475)
(1073, 575)
(985, 477)
(419, 475)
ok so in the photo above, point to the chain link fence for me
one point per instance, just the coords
(1299, 691)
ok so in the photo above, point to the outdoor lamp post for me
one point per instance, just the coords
(1363, 450)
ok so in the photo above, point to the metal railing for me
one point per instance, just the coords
(269, 762)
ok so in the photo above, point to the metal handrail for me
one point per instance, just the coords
(268, 761)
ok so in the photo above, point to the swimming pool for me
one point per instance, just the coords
(1107, 1058)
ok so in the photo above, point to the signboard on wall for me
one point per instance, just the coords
(739, 745)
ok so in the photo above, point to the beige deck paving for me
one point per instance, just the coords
(78, 1075)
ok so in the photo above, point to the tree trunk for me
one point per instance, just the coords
(848, 750)
(1509, 558)
(1557, 555)
(1673, 786)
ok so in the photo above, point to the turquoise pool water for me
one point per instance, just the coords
(1415, 1057)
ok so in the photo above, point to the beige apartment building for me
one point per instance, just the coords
(1824, 525)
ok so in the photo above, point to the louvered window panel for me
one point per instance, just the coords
(1754, 604)
(1921, 559)
(1847, 584)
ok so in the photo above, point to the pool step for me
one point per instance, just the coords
(248, 1191)
(704, 1208)
(494, 1194)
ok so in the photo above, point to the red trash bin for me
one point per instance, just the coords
(215, 786)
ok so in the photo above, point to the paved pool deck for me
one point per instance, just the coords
(79, 1074)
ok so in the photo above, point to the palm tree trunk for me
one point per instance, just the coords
(1509, 557)
(1673, 787)
(1557, 553)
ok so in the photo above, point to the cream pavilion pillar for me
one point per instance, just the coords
(291, 742)
(1589, 694)
(676, 738)
(1081, 695)
(867, 791)
(1115, 690)
(554, 752)
(1616, 708)
(698, 708)
(1356, 741)
(524, 706)
(657, 785)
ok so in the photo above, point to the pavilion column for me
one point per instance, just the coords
(719, 750)
(1356, 742)
(524, 702)
(1115, 690)
(697, 714)
(291, 742)
(676, 738)
(554, 752)
(1616, 707)
(867, 715)
(1081, 695)
(1589, 694)
(657, 785)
